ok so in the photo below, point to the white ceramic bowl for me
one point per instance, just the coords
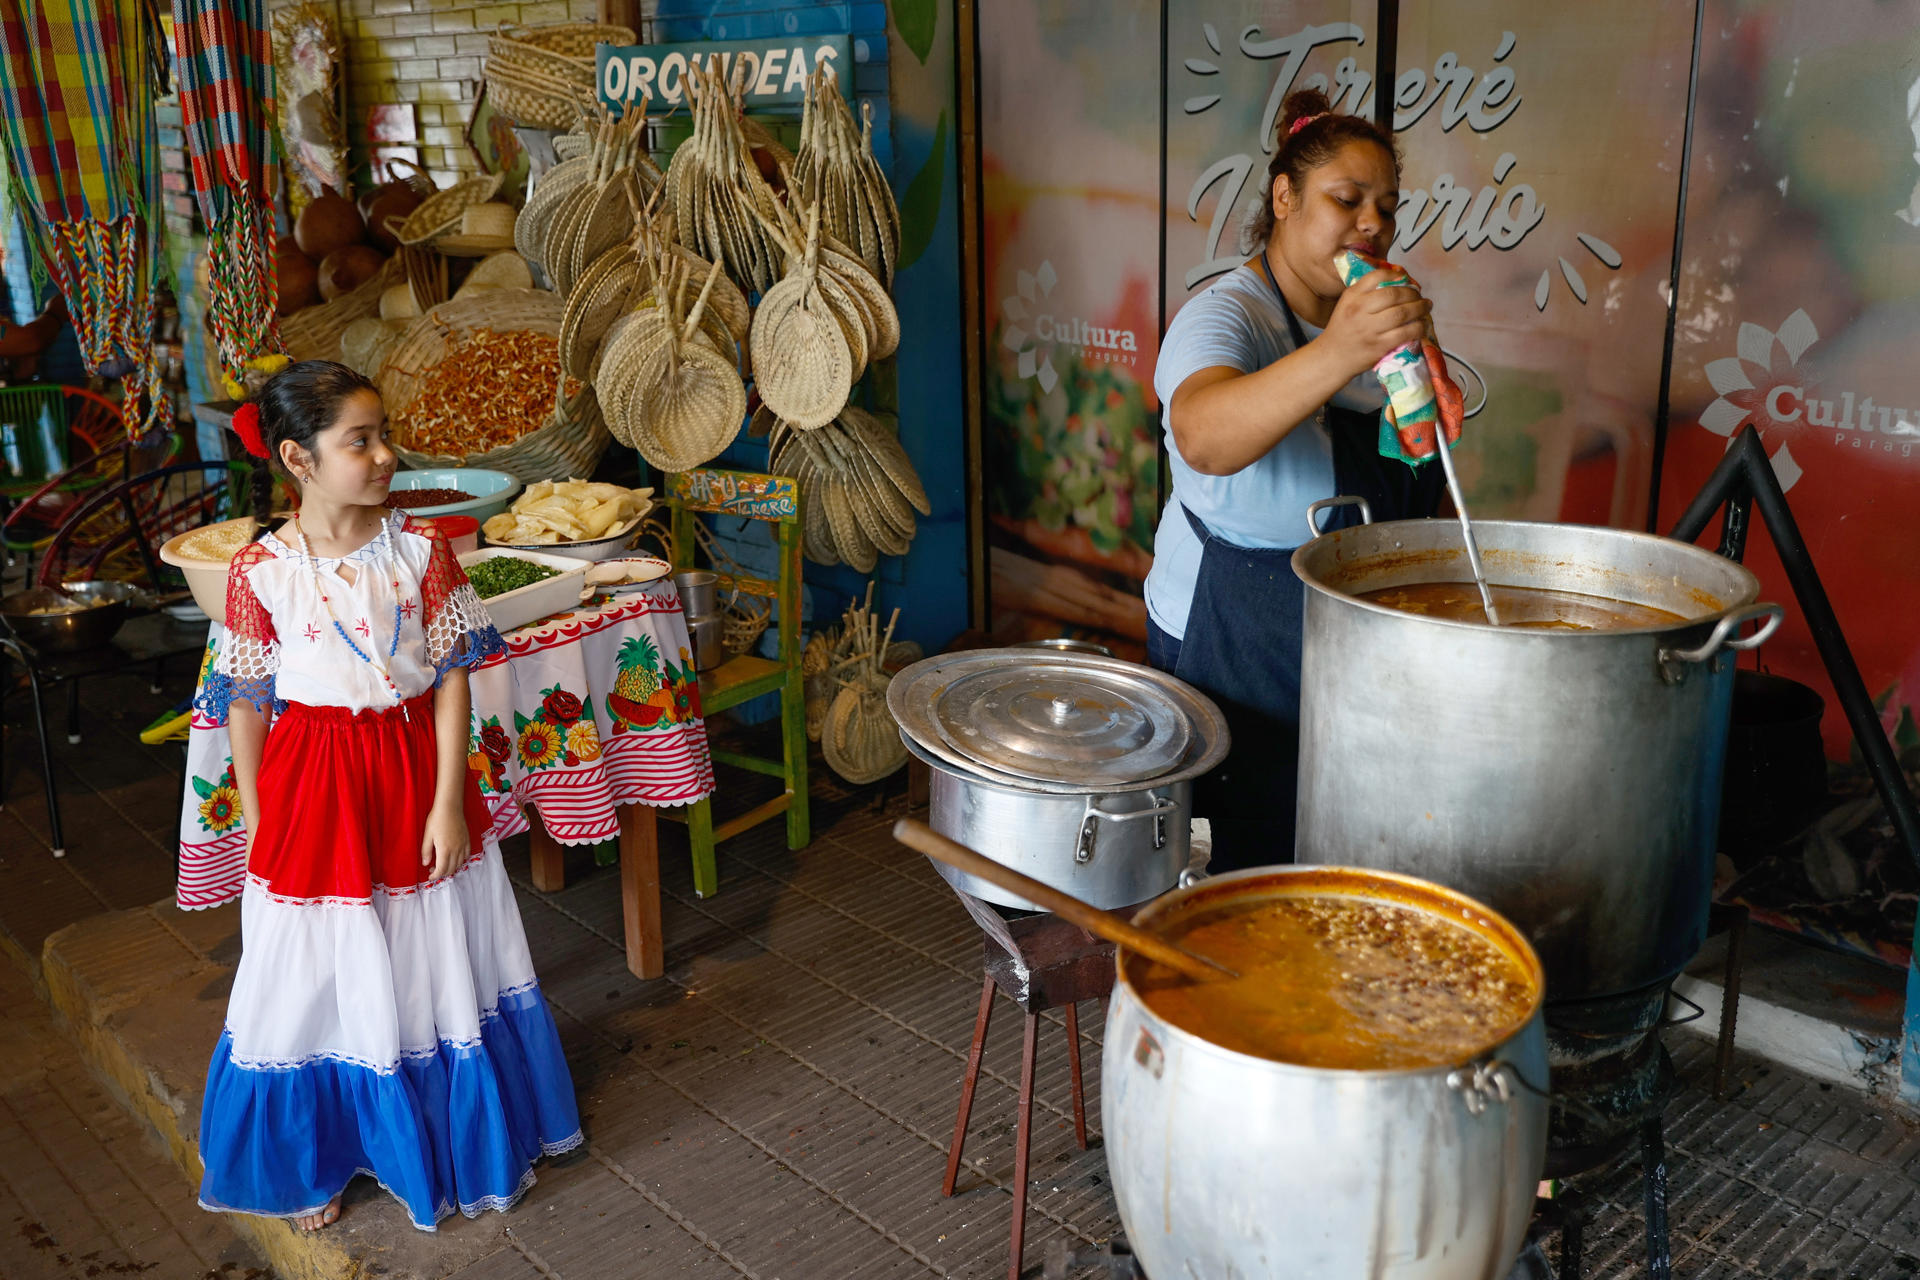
(492, 490)
(536, 600)
(206, 579)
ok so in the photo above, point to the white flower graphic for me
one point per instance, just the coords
(1036, 358)
(1743, 398)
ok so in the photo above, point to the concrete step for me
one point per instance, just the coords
(145, 993)
(1833, 1016)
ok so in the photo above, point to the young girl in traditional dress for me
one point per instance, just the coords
(385, 1018)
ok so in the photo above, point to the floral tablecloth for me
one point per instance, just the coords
(587, 710)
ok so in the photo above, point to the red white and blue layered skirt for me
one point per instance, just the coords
(380, 1023)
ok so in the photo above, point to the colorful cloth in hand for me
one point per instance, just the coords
(1420, 396)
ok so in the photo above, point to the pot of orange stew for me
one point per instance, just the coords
(1563, 767)
(1366, 1098)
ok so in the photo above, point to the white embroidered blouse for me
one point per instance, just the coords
(409, 609)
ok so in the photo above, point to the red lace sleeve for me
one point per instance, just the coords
(460, 632)
(248, 656)
(246, 616)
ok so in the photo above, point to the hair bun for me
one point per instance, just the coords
(1301, 104)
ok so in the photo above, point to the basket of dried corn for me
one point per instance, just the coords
(472, 384)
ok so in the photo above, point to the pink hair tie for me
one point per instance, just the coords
(1304, 121)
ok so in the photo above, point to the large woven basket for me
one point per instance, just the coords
(543, 76)
(571, 440)
(313, 333)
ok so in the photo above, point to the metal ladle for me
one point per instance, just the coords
(1466, 524)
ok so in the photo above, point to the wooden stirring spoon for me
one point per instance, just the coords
(1105, 924)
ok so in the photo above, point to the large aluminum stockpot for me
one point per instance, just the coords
(1225, 1164)
(1073, 768)
(1109, 848)
(1569, 779)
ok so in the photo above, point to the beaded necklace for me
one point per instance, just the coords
(366, 656)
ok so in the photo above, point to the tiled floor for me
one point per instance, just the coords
(779, 1104)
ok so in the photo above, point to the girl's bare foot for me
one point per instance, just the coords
(325, 1218)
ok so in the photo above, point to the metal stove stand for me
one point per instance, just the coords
(1043, 963)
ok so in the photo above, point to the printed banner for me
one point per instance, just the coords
(1544, 255)
(1800, 315)
(1071, 189)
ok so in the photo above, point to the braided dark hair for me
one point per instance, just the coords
(297, 404)
(1298, 153)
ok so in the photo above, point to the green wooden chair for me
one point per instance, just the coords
(775, 499)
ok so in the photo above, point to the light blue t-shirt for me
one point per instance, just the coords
(1236, 322)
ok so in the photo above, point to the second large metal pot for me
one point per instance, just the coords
(1073, 768)
(1225, 1164)
(1108, 848)
(1570, 780)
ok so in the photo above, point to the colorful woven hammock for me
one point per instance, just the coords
(76, 89)
(226, 102)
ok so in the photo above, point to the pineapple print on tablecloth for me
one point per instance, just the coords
(650, 693)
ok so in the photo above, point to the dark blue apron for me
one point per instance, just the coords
(1243, 637)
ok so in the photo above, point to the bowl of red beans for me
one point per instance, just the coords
(453, 491)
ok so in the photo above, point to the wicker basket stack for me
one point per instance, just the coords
(543, 76)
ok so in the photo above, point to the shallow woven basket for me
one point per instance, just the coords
(746, 619)
(313, 333)
(440, 212)
(568, 444)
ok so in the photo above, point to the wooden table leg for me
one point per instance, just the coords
(549, 859)
(640, 889)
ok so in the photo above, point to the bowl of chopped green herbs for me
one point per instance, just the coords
(519, 587)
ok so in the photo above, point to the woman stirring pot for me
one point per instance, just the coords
(1271, 405)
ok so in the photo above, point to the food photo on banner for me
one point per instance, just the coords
(1798, 316)
(1070, 425)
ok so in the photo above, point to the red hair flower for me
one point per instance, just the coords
(246, 425)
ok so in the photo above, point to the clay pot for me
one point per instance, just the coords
(330, 222)
(299, 279)
(345, 270)
(386, 210)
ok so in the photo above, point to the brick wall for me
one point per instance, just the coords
(429, 54)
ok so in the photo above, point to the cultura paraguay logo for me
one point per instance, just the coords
(1782, 398)
(1032, 332)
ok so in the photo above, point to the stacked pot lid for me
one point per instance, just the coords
(1061, 722)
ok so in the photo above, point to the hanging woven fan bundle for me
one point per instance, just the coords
(670, 387)
(621, 277)
(831, 650)
(861, 740)
(815, 332)
(592, 209)
(853, 295)
(861, 490)
(835, 168)
(717, 196)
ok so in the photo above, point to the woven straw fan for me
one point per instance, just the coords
(860, 739)
(801, 360)
(694, 408)
(836, 169)
(530, 232)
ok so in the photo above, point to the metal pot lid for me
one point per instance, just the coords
(1057, 721)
